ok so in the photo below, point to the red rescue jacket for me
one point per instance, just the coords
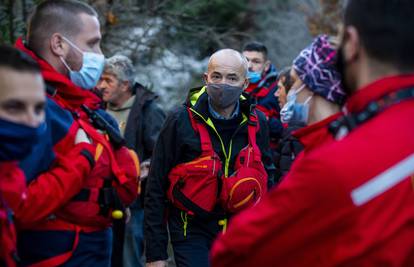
(12, 190)
(75, 204)
(347, 202)
(108, 161)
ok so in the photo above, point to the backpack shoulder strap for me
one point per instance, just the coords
(253, 127)
(346, 123)
(199, 127)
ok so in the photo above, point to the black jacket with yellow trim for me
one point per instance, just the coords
(178, 143)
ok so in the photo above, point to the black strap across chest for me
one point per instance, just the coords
(347, 123)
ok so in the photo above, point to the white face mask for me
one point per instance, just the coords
(92, 66)
(293, 111)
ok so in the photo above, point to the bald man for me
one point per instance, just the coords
(211, 160)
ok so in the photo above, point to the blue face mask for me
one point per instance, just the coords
(92, 66)
(293, 111)
(254, 77)
(17, 140)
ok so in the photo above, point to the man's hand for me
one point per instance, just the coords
(81, 136)
(156, 264)
(127, 215)
(145, 165)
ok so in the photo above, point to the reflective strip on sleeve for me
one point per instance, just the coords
(383, 182)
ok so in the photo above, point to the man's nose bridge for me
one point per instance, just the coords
(249, 64)
(99, 50)
(101, 84)
(31, 118)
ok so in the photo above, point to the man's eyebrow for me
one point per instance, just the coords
(216, 72)
(94, 40)
(12, 102)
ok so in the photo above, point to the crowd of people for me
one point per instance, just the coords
(309, 166)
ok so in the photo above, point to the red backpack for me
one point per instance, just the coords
(197, 186)
(95, 204)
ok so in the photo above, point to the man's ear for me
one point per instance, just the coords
(125, 86)
(58, 46)
(205, 77)
(351, 44)
(246, 83)
(267, 66)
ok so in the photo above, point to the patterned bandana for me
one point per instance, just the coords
(315, 66)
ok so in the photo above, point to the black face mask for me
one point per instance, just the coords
(341, 67)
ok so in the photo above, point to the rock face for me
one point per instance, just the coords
(283, 28)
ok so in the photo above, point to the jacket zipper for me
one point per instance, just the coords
(227, 157)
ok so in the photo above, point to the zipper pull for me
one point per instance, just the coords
(185, 222)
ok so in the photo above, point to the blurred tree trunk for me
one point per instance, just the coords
(11, 20)
(24, 11)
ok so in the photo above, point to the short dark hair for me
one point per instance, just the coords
(285, 73)
(55, 16)
(17, 60)
(257, 47)
(385, 28)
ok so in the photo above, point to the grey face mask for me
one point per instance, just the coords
(223, 95)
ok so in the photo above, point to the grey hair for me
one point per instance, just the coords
(121, 66)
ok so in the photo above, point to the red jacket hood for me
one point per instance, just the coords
(316, 133)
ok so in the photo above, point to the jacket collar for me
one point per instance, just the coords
(218, 116)
(314, 134)
(127, 105)
(143, 94)
(376, 90)
(270, 75)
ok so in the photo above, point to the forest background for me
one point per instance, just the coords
(170, 41)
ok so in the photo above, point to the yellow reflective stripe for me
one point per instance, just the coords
(210, 123)
(194, 97)
(198, 114)
(223, 223)
(223, 148)
(185, 222)
(244, 119)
